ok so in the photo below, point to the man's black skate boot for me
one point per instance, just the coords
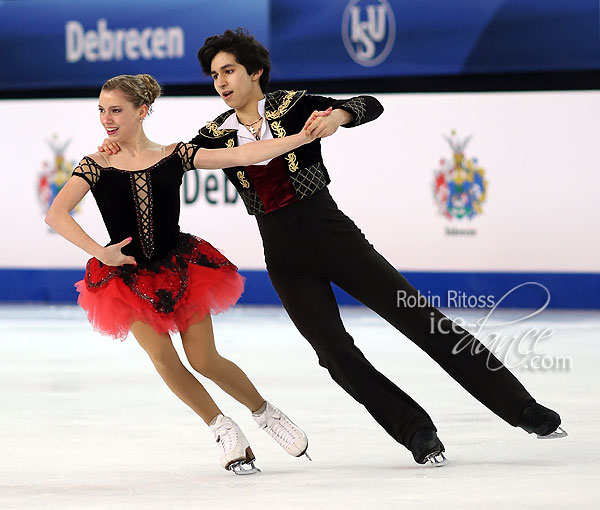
(540, 420)
(426, 446)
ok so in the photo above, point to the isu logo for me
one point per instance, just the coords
(459, 186)
(368, 31)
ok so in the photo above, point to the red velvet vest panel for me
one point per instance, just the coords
(272, 184)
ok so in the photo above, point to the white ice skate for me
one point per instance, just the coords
(236, 454)
(285, 432)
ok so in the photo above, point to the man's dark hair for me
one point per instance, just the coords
(246, 49)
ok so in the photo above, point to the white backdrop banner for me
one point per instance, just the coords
(440, 182)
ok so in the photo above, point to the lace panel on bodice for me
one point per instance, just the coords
(141, 186)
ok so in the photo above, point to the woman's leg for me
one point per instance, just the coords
(199, 345)
(166, 360)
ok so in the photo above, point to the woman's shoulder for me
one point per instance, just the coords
(170, 148)
(182, 149)
(99, 158)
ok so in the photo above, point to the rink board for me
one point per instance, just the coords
(454, 290)
(536, 220)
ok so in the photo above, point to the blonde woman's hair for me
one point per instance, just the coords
(139, 89)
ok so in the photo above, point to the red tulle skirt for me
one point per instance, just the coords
(195, 279)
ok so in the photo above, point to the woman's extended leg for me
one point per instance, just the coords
(199, 345)
(166, 360)
(235, 449)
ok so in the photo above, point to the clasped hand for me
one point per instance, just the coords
(322, 124)
(113, 256)
(319, 125)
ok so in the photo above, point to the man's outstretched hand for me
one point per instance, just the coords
(325, 123)
(319, 125)
(109, 147)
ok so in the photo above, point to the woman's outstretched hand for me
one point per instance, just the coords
(325, 123)
(308, 125)
(113, 256)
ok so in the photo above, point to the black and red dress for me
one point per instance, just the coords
(178, 278)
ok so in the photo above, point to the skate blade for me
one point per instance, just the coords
(305, 453)
(557, 434)
(244, 468)
(436, 459)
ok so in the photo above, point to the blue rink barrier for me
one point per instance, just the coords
(443, 289)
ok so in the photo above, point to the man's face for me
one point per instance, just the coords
(232, 81)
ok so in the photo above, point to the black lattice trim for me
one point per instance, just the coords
(187, 152)
(308, 180)
(88, 170)
(252, 202)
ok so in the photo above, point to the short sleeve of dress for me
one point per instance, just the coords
(187, 152)
(88, 170)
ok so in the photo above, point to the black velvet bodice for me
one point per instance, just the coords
(143, 204)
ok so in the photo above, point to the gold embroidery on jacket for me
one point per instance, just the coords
(213, 128)
(279, 131)
(292, 162)
(230, 143)
(242, 178)
(283, 107)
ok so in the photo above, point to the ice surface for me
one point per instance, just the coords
(87, 423)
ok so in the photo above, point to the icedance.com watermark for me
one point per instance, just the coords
(453, 299)
(525, 349)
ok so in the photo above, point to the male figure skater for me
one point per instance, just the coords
(309, 243)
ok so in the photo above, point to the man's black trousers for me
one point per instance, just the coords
(310, 244)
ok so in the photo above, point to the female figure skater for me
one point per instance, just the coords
(152, 279)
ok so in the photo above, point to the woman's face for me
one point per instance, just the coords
(119, 116)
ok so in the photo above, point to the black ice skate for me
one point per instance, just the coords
(426, 447)
(544, 422)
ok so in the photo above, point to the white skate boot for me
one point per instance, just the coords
(236, 454)
(287, 434)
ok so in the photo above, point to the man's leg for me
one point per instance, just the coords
(366, 275)
(311, 304)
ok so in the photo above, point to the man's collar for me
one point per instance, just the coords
(232, 121)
